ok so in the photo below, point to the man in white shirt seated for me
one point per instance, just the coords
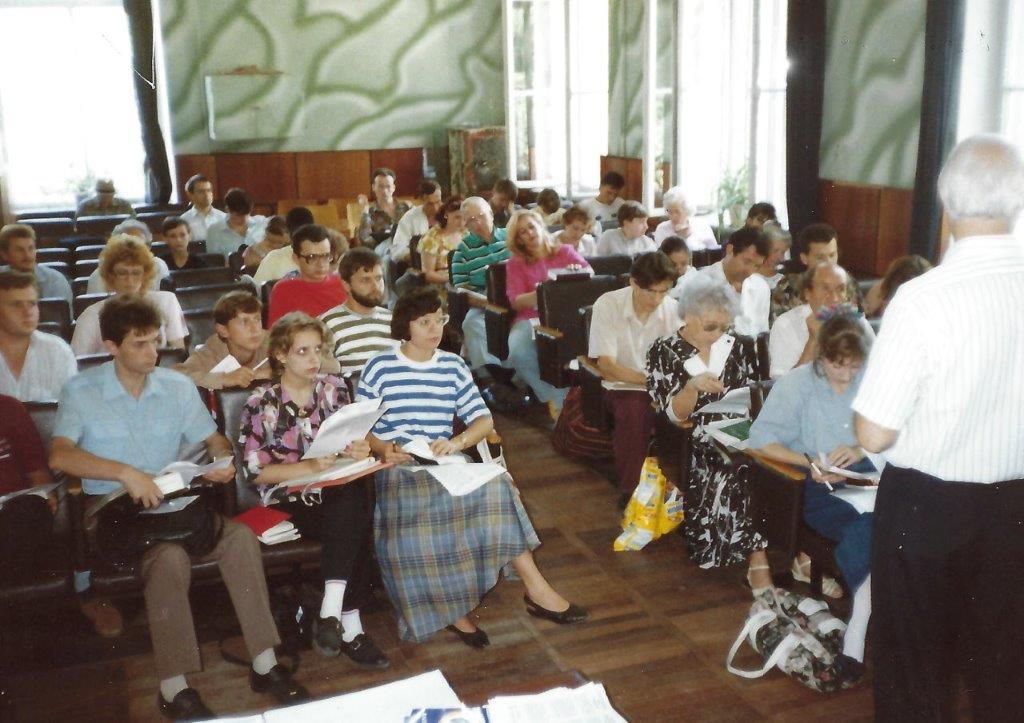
(18, 251)
(202, 215)
(239, 228)
(141, 231)
(745, 251)
(794, 335)
(416, 221)
(33, 365)
(697, 234)
(605, 205)
(630, 237)
(280, 262)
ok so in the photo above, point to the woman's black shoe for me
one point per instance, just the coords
(572, 614)
(477, 639)
(186, 705)
(279, 683)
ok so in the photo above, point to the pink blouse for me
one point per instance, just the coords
(522, 278)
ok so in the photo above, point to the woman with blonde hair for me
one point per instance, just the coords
(535, 254)
(127, 266)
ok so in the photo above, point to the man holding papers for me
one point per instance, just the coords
(117, 426)
(280, 424)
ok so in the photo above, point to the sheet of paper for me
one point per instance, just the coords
(587, 704)
(343, 468)
(190, 470)
(849, 474)
(735, 401)
(40, 491)
(624, 386)
(389, 703)
(168, 506)
(346, 425)
(421, 448)
(461, 479)
(226, 365)
(862, 498)
(730, 432)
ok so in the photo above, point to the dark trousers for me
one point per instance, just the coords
(342, 524)
(947, 596)
(27, 547)
(633, 426)
(841, 522)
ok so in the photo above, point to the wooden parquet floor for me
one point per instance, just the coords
(657, 639)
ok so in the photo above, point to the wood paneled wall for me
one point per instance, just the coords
(873, 223)
(632, 169)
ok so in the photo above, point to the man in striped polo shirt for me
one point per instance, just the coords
(360, 327)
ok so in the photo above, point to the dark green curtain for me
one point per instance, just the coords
(157, 169)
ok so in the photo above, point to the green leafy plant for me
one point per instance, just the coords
(731, 195)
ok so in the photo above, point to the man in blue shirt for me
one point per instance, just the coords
(117, 426)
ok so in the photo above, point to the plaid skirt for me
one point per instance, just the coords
(440, 554)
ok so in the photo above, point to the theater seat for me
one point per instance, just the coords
(205, 297)
(56, 311)
(185, 278)
(98, 225)
(498, 313)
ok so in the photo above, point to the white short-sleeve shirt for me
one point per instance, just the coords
(48, 365)
(613, 241)
(88, 340)
(789, 336)
(616, 332)
(701, 236)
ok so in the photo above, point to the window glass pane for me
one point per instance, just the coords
(1013, 76)
(590, 140)
(588, 38)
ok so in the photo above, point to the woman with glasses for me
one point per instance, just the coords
(719, 528)
(126, 267)
(439, 554)
(317, 288)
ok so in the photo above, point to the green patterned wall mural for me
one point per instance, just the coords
(873, 76)
(370, 73)
(625, 78)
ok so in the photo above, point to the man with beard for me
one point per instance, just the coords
(360, 327)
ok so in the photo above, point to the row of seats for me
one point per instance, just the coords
(54, 231)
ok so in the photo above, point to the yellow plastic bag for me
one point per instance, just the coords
(650, 513)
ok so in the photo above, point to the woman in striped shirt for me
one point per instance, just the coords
(439, 554)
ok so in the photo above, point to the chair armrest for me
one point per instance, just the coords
(782, 469)
(549, 332)
(476, 299)
(495, 309)
(590, 365)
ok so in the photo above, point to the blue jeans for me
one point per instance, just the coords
(839, 521)
(522, 353)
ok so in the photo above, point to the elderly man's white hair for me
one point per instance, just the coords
(478, 203)
(132, 224)
(675, 197)
(983, 178)
(703, 293)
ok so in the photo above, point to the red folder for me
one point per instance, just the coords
(261, 519)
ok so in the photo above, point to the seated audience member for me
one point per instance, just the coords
(697, 234)
(127, 267)
(605, 205)
(719, 525)
(624, 324)
(140, 231)
(576, 223)
(360, 327)
(316, 289)
(280, 262)
(816, 243)
(178, 235)
(275, 236)
(202, 214)
(809, 412)
(549, 207)
(106, 202)
(18, 252)
(503, 201)
(279, 422)
(439, 554)
(761, 213)
(779, 244)
(377, 220)
(33, 365)
(630, 237)
(439, 241)
(533, 255)
(117, 425)
(900, 271)
(679, 254)
(239, 229)
(415, 222)
(745, 252)
(794, 336)
(482, 246)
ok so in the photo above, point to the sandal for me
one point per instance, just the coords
(829, 586)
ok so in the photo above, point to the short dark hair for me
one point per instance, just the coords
(237, 200)
(454, 204)
(298, 217)
(278, 226)
(630, 210)
(411, 306)
(816, 233)
(577, 213)
(121, 315)
(382, 171)
(842, 338)
(764, 210)
(428, 186)
(172, 222)
(234, 303)
(191, 183)
(358, 259)
(506, 187)
(549, 198)
(651, 268)
(673, 245)
(17, 280)
(15, 230)
(613, 179)
(746, 236)
(312, 232)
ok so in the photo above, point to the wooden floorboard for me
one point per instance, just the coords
(657, 638)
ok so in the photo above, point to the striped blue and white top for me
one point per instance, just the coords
(420, 399)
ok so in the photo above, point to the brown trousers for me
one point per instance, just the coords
(167, 574)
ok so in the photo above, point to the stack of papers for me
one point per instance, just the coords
(735, 401)
(350, 423)
(281, 532)
(40, 491)
(587, 704)
(455, 472)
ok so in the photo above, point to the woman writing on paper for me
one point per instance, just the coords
(278, 424)
(439, 554)
(807, 413)
(719, 525)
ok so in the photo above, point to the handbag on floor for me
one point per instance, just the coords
(652, 511)
(796, 634)
(574, 438)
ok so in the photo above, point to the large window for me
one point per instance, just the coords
(1012, 121)
(557, 59)
(67, 101)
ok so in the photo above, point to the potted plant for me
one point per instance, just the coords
(731, 195)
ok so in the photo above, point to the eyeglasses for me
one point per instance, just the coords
(129, 273)
(425, 322)
(316, 258)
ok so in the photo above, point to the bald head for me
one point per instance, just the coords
(983, 180)
(825, 285)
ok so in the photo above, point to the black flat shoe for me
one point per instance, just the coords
(279, 683)
(186, 705)
(477, 639)
(572, 614)
(363, 652)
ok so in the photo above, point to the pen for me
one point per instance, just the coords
(260, 364)
(815, 468)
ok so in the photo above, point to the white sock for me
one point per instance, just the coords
(172, 686)
(263, 662)
(351, 625)
(334, 593)
(857, 628)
